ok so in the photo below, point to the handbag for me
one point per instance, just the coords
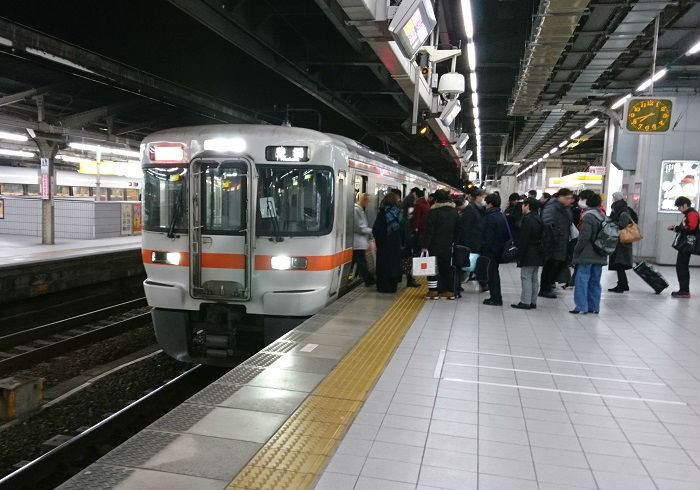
(424, 265)
(630, 233)
(473, 258)
(510, 251)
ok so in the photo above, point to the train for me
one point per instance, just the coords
(251, 227)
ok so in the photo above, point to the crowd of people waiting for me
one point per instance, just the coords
(551, 234)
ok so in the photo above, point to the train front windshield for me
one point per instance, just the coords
(165, 199)
(294, 201)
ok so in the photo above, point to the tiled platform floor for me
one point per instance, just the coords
(15, 249)
(496, 398)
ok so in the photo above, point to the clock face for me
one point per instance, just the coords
(649, 115)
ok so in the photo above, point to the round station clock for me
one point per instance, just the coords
(649, 115)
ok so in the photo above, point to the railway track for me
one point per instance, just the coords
(60, 463)
(33, 345)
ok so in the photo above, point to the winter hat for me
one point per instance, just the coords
(618, 196)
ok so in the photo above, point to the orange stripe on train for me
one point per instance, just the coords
(261, 262)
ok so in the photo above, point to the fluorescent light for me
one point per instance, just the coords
(12, 136)
(545, 155)
(16, 153)
(694, 49)
(658, 76)
(591, 123)
(475, 99)
(467, 18)
(620, 102)
(105, 150)
(475, 112)
(471, 55)
(477, 124)
(472, 80)
(563, 143)
(68, 158)
(575, 135)
(225, 145)
(553, 150)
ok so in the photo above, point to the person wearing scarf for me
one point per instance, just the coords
(388, 235)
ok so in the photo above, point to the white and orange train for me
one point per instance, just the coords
(251, 225)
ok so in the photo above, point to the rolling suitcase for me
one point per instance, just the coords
(651, 277)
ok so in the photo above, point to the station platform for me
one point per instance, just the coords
(396, 392)
(29, 269)
(17, 249)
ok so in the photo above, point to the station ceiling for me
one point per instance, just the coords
(160, 64)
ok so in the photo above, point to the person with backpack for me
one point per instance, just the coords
(686, 244)
(590, 254)
(529, 254)
(621, 258)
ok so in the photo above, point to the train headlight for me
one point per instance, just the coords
(284, 263)
(170, 258)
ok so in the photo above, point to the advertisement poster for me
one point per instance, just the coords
(678, 178)
(136, 219)
(126, 220)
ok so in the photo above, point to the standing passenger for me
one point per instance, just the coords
(495, 238)
(688, 226)
(556, 213)
(409, 243)
(361, 237)
(438, 240)
(388, 234)
(530, 254)
(590, 262)
(621, 258)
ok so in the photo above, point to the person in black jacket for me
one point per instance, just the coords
(495, 238)
(437, 241)
(514, 213)
(530, 256)
(470, 227)
(557, 214)
(388, 235)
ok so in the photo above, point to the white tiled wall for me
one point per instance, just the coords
(74, 218)
(22, 217)
(108, 217)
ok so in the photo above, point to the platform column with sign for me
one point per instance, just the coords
(47, 152)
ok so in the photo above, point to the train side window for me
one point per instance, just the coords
(224, 198)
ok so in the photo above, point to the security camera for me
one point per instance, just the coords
(451, 85)
(462, 141)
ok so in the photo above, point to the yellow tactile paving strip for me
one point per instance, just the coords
(296, 454)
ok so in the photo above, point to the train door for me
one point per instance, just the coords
(220, 245)
(339, 232)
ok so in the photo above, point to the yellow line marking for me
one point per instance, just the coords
(296, 454)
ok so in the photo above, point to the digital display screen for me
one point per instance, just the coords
(412, 25)
(678, 178)
(415, 30)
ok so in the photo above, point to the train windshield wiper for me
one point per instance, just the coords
(176, 214)
(275, 223)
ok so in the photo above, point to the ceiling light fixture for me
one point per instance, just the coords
(12, 136)
(591, 123)
(620, 101)
(467, 18)
(575, 135)
(471, 56)
(694, 49)
(658, 76)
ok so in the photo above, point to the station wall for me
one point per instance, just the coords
(643, 183)
(74, 219)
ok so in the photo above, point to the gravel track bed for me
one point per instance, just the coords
(22, 440)
(62, 368)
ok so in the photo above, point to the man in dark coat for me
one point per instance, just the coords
(530, 254)
(438, 240)
(495, 238)
(470, 227)
(621, 258)
(557, 214)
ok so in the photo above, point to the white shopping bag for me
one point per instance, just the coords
(424, 265)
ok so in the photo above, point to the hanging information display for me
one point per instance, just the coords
(678, 178)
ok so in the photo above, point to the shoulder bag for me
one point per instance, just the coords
(510, 250)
